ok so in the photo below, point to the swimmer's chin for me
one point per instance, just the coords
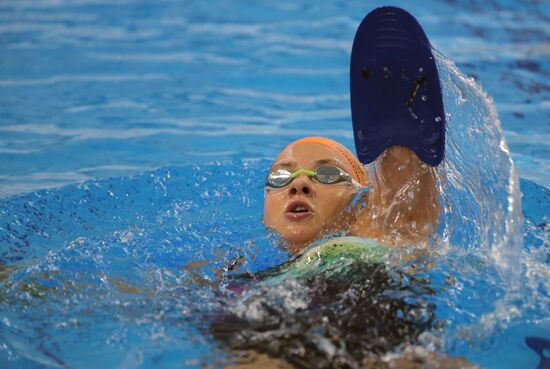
(294, 239)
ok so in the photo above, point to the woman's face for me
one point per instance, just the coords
(305, 209)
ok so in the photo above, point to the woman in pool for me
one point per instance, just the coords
(312, 183)
(314, 189)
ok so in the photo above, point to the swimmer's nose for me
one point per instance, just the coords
(301, 186)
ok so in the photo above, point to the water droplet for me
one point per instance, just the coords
(438, 119)
(424, 97)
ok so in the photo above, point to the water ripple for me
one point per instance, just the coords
(113, 78)
(191, 57)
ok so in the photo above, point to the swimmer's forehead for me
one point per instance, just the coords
(308, 155)
(317, 163)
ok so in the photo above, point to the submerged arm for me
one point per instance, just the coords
(403, 206)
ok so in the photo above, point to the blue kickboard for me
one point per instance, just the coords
(395, 89)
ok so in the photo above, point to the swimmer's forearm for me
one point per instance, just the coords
(403, 206)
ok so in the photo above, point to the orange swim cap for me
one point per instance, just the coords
(359, 172)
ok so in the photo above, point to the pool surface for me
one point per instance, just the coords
(135, 137)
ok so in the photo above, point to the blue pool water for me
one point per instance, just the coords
(135, 137)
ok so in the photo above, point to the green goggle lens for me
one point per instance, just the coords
(326, 175)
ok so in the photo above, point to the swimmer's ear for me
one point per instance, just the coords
(360, 200)
(364, 197)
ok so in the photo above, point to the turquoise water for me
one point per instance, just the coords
(135, 137)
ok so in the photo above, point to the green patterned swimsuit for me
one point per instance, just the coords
(333, 257)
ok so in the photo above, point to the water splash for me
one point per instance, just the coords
(126, 261)
(480, 186)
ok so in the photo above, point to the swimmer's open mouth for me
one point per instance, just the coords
(298, 210)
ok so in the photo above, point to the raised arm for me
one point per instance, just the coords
(403, 205)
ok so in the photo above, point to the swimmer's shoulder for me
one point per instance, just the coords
(389, 237)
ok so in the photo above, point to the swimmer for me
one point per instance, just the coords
(312, 183)
(317, 188)
(398, 123)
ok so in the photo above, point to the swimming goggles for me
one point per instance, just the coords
(325, 174)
